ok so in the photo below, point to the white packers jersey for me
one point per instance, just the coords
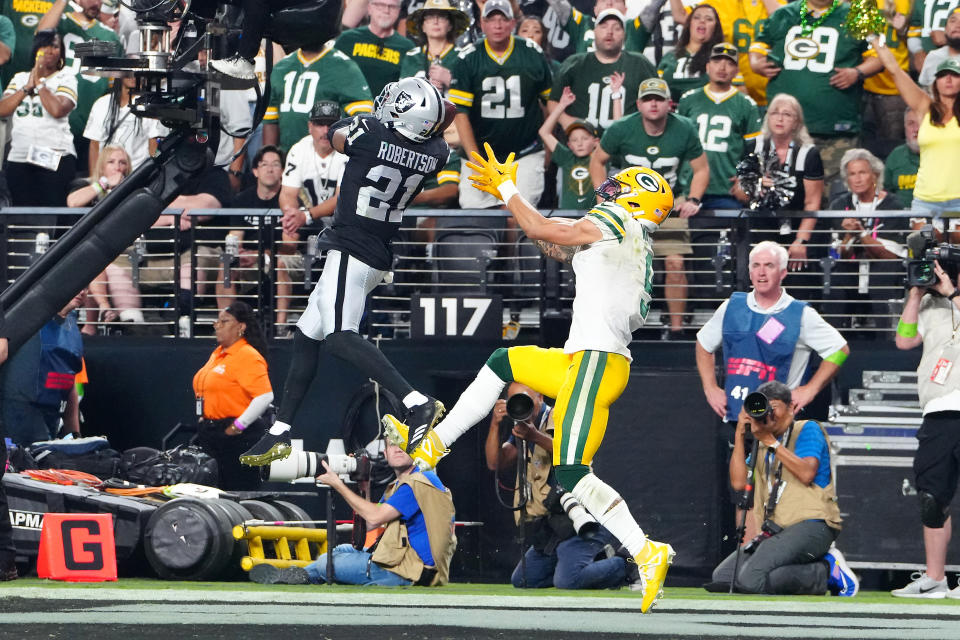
(614, 281)
(33, 126)
(307, 171)
(129, 131)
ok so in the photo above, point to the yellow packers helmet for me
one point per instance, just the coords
(643, 192)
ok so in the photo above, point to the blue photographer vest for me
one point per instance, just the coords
(757, 347)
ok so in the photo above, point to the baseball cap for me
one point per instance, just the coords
(109, 7)
(725, 50)
(325, 112)
(503, 6)
(580, 124)
(654, 87)
(950, 65)
(610, 13)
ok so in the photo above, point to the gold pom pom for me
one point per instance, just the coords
(864, 19)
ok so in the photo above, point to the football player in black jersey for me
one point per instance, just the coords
(391, 153)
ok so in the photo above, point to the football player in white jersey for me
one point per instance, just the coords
(611, 255)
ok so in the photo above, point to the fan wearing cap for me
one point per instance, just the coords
(436, 26)
(951, 49)
(377, 47)
(603, 79)
(668, 143)
(581, 27)
(110, 14)
(937, 189)
(573, 158)
(498, 86)
(725, 118)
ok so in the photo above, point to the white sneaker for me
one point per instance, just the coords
(954, 593)
(923, 586)
(235, 67)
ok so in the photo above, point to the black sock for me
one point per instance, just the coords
(303, 367)
(364, 355)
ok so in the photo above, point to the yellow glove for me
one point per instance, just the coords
(489, 173)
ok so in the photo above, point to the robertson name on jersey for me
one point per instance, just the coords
(384, 173)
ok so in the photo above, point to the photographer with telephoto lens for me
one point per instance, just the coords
(795, 503)
(930, 318)
(568, 549)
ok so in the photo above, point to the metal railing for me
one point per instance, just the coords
(447, 251)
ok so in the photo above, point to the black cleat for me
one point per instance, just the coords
(420, 420)
(268, 449)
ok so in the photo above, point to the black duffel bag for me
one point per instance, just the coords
(146, 466)
(90, 455)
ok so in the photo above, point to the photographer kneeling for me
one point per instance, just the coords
(565, 541)
(795, 504)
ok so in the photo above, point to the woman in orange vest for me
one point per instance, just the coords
(233, 391)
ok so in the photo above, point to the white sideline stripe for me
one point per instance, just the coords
(898, 607)
(657, 625)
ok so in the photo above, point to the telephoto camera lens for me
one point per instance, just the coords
(520, 406)
(756, 405)
(307, 464)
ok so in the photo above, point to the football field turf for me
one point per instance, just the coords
(141, 608)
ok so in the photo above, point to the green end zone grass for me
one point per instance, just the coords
(677, 593)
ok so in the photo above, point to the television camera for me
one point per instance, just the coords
(922, 249)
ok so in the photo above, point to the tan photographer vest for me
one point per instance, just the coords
(939, 316)
(394, 552)
(798, 501)
(538, 472)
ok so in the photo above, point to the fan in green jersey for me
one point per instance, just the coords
(573, 158)
(377, 48)
(589, 75)
(581, 27)
(900, 169)
(805, 51)
(667, 143)
(498, 85)
(725, 119)
(305, 77)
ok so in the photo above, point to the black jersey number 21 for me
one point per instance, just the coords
(384, 199)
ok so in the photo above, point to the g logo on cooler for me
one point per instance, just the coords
(802, 48)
